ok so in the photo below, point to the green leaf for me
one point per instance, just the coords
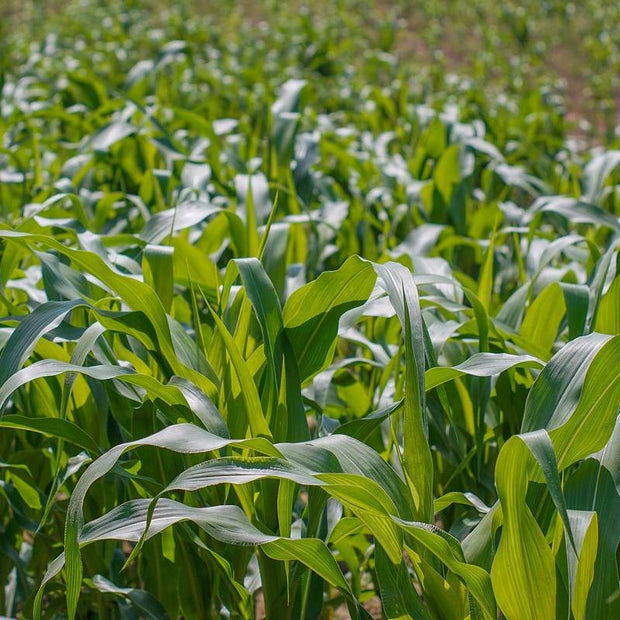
(159, 272)
(581, 566)
(577, 301)
(479, 365)
(575, 210)
(311, 313)
(590, 425)
(253, 408)
(448, 550)
(555, 393)
(595, 487)
(104, 372)
(170, 221)
(23, 340)
(596, 173)
(486, 279)
(417, 460)
(542, 319)
(523, 570)
(52, 427)
(398, 596)
(266, 304)
(141, 599)
(608, 312)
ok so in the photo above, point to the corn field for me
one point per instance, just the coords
(292, 327)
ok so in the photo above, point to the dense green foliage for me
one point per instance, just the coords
(290, 326)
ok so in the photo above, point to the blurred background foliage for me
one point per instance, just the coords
(564, 53)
